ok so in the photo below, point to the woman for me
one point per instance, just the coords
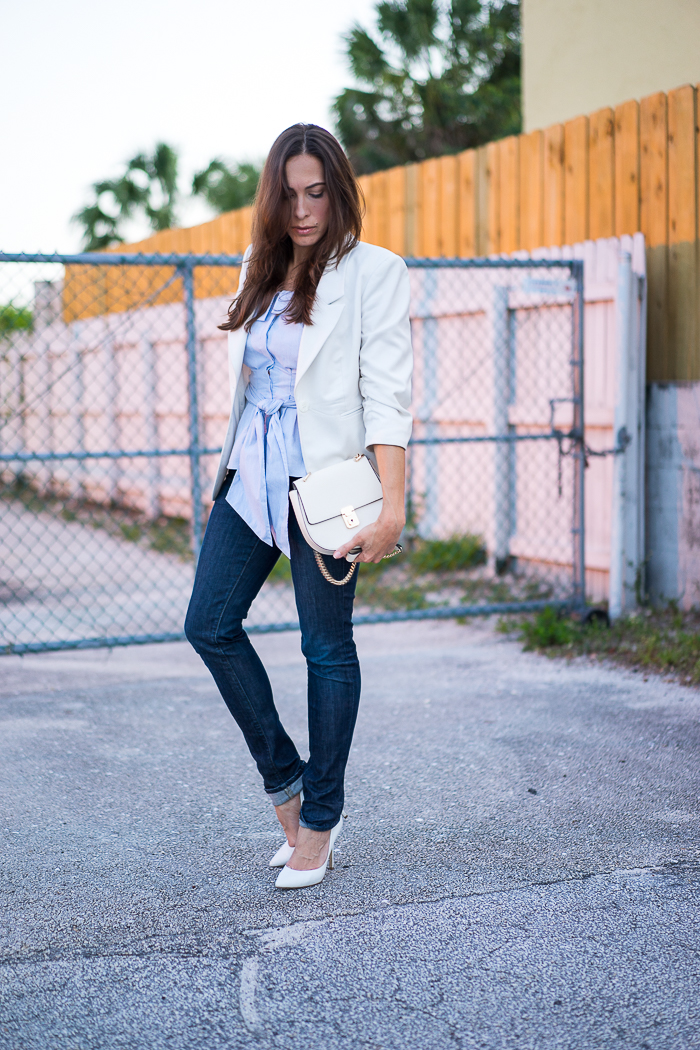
(320, 367)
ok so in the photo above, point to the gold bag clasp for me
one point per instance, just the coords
(349, 517)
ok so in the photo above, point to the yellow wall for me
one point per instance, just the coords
(580, 55)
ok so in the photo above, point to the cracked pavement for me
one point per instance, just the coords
(520, 867)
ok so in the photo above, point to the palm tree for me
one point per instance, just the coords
(160, 170)
(226, 188)
(149, 184)
(439, 76)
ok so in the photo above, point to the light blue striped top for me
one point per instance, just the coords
(267, 450)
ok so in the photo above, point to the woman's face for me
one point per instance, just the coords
(308, 219)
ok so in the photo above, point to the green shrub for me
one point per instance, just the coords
(131, 532)
(664, 640)
(547, 628)
(458, 552)
(408, 596)
(282, 571)
(169, 536)
(15, 319)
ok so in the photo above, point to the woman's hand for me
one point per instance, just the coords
(379, 539)
(376, 540)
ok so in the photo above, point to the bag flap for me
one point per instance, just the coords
(351, 483)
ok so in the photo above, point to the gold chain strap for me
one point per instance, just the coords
(339, 583)
(327, 576)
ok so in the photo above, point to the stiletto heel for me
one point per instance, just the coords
(291, 879)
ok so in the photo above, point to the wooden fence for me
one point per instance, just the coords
(614, 172)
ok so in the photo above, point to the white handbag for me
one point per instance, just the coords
(333, 504)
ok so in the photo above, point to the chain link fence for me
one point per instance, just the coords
(114, 400)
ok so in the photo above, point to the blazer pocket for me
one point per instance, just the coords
(336, 411)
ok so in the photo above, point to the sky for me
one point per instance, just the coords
(87, 85)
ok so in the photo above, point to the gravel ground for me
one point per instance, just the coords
(520, 867)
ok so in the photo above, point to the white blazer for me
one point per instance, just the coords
(353, 382)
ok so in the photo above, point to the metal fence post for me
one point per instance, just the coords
(430, 509)
(626, 550)
(501, 449)
(148, 363)
(579, 526)
(186, 269)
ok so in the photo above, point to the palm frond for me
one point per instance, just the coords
(443, 76)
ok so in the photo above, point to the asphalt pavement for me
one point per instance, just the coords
(520, 867)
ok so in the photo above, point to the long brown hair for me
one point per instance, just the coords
(273, 249)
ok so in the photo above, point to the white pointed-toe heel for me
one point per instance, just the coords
(283, 854)
(291, 879)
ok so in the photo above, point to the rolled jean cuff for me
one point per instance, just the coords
(316, 827)
(290, 790)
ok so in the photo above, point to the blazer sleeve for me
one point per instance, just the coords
(386, 354)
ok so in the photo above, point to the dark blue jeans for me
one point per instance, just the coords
(233, 565)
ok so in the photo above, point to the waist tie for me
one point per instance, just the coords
(261, 485)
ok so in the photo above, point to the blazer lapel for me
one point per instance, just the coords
(326, 314)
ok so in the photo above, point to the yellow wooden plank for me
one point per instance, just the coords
(246, 222)
(449, 206)
(576, 180)
(653, 184)
(199, 238)
(224, 281)
(491, 183)
(412, 211)
(231, 226)
(509, 178)
(601, 174)
(553, 186)
(430, 179)
(627, 168)
(396, 210)
(182, 240)
(84, 292)
(229, 222)
(466, 194)
(130, 288)
(373, 222)
(531, 190)
(482, 205)
(114, 295)
(217, 235)
(211, 240)
(366, 187)
(212, 281)
(370, 223)
(682, 191)
(653, 140)
(381, 209)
